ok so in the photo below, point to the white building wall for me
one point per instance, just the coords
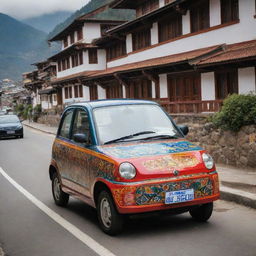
(161, 3)
(86, 93)
(208, 86)
(163, 86)
(246, 80)
(91, 31)
(101, 93)
(154, 34)
(129, 43)
(186, 23)
(215, 13)
(153, 90)
(229, 35)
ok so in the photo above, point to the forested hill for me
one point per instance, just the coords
(20, 45)
(92, 5)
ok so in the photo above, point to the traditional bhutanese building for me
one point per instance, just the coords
(188, 55)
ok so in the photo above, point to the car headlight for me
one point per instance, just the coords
(127, 171)
(19, 127)
(208, 161)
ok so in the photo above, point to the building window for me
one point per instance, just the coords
(114, 90)
(93, 93)
(93, 56)
(116, 50)
(184, 87)
(81, 59)
(81, 91)
(70, 92)
(64, 64)
(80, 33)
(170, 28)
(229, 11)
(67, 63)
(66, 93)
(199, 16)
(76, 91)
(74, 60)
(65, 42)
(146, 7)
(59, 66)
(169, 1)
(226, 82)
(72, 38)
(140, 89)
(141, 39)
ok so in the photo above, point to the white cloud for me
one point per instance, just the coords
(22, 9)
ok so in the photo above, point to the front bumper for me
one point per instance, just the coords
(6, 134)
(147, 196)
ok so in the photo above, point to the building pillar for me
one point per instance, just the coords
(163, 86)
(154, 34)
(208, 86)
(129, 43)
(101, 93)
(215, 13)
(246, 80)
(186, 23)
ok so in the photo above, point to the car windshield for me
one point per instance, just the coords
(132, 122)
(8, 119)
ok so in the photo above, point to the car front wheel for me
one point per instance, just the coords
(111, 222)
(202, 213)
(61, 198)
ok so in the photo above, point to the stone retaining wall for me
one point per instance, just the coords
(226, 147)
(51, 120)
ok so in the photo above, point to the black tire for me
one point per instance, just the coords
(202, 213)
(110, 221)
(61, 198)
(22, 136)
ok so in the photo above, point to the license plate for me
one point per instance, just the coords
(10, 132)
(179, 196)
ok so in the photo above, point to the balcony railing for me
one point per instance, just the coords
(195, 106)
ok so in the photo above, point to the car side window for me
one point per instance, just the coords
(66, 124)
(81, 124)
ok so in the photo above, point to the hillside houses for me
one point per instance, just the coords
(186, 55)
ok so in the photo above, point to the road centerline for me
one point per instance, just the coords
(83, 237)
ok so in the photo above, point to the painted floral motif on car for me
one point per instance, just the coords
(155, 194)
(175, 161)
(149, 149)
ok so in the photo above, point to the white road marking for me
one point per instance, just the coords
(87, 240)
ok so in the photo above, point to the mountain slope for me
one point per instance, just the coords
(92, 5)
(20, 45)
(47, 22)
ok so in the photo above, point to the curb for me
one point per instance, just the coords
(238, 196)
(38, 129)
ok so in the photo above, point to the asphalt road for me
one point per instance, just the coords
(31, 224)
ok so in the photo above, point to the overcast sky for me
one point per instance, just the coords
(21, 9)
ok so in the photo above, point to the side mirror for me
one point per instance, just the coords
(80, 138)
(184, 129)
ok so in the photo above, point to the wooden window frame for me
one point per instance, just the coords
(76, 91)
(66, 93)
(231, 77)
(197, 13)
(141, 39)
(80, 90)
(65, 42)
(230, 11)
(147, 7)
(170, 28)
(93, 56)
(81, 58)
(59, 66)
(72, 37)
(116, 50)
(80, 34)
(70, 92)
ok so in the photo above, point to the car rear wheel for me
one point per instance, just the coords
(61, 198)
(111, 222)
(202, 213)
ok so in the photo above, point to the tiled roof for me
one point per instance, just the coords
(71, 77)
(151, 63)
(231, 53)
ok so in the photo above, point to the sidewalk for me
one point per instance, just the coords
(236, 184)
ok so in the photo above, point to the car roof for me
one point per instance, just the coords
(112, 102)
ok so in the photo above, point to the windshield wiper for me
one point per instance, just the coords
(129, 137)
(163, 136)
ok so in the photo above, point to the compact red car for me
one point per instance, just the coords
(127, 157)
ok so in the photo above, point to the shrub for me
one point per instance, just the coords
(237, 111)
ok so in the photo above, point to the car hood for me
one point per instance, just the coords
(160, 157)
(9, 125)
